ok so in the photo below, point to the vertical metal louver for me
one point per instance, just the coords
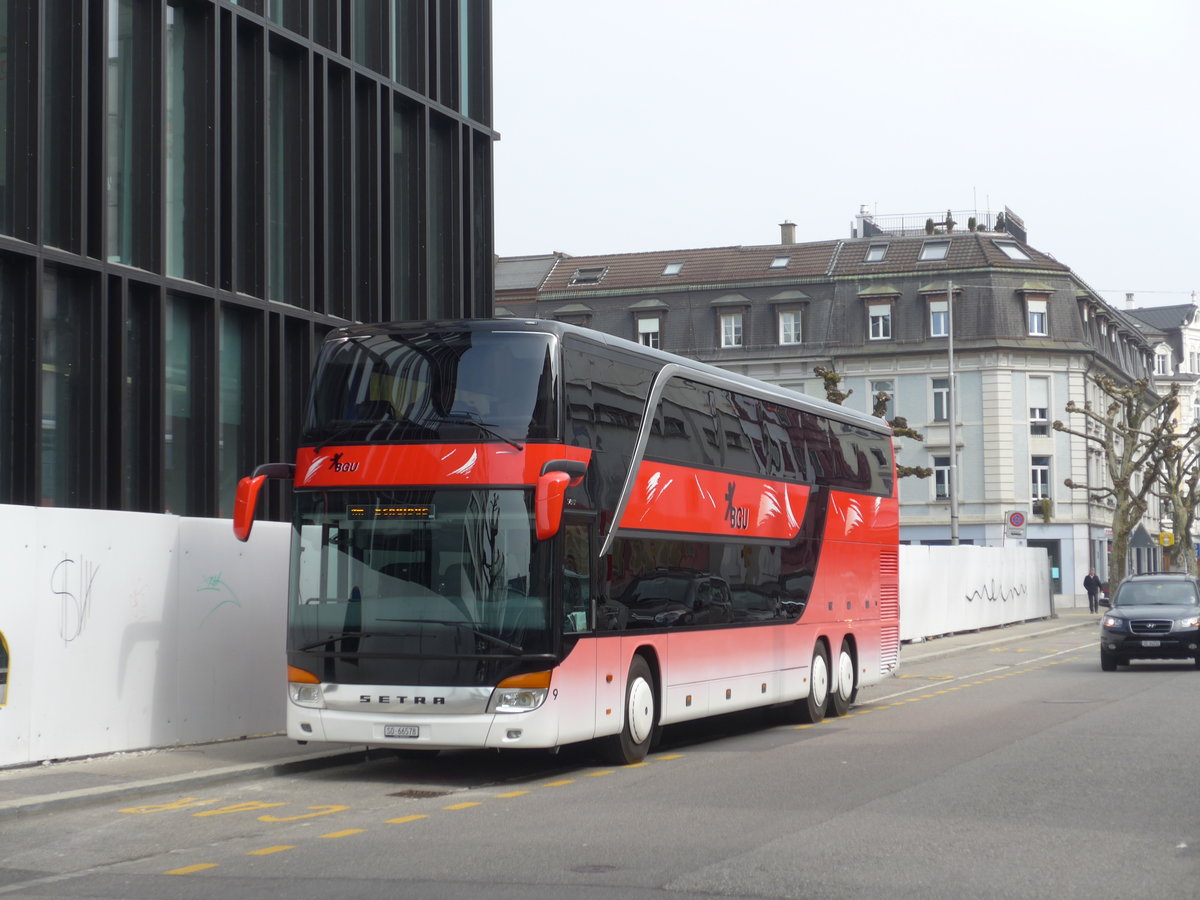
(889, 611)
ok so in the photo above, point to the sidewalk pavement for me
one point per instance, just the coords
(27, 790)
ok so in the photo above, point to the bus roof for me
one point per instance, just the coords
(754, 386)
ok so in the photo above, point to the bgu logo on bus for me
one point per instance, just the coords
(338, 466)
(737, 516)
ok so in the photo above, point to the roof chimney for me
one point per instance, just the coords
(1129, 301)
(787, 232)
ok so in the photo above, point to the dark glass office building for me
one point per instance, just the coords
(192, 193)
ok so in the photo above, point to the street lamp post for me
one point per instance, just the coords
(952, 415)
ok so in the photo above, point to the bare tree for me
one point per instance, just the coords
(1178, 488)
(900, 428)
(1132, 433)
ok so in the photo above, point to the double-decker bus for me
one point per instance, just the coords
(524, 534)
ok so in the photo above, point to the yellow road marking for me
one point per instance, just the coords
(188, 870)
(346, 833)
(467, 805)
(598, 774)
(403, 819)
(267, 851)
(320, 811)
(512, 794)
(559, 783)
(669, 756)
(182, 803)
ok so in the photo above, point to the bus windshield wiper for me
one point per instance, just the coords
(483, 635)
(455, 418)
(342, 636)
(342, 427)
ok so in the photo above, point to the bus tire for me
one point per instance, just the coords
(639, 716)
(842, 692)
(813, 710)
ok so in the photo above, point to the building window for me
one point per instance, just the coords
(939, 318)
(648, 332)
(1196, 409)
(789, 326)
(934, 250)
(731, 329)
(880, 316)
(941, 399)
(780, 262)
(887, 387)
(1011, 250)
(672, 268)
(1037, 317)
(876, 253)
(588, 275)
(1039, 471)
(1162, 362)
(1039, 406)
(941, 477)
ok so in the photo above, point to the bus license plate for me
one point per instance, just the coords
(1151, 643)
(401, 731)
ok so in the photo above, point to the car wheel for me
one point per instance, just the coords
(813, 710)
(842, 693)
(637, 731)
(1108, 661)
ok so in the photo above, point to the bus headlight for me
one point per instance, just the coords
(517, 700)
(304, 688)
(521, 693)
(309, 695)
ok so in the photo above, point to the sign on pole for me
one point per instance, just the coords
(1014, 523)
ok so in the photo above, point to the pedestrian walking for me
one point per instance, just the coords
(1091, 584)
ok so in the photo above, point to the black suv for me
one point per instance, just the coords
(1152, 617)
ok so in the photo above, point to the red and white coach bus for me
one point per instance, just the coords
(518, 533)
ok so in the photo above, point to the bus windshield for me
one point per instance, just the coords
(433, 386)
(385, 578)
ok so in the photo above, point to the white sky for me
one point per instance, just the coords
(633, 125)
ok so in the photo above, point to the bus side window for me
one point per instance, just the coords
(577, 580)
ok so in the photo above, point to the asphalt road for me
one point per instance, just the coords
(1015, 771)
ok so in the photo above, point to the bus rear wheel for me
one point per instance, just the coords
(640, 715)
(842, 692)
(813, 710)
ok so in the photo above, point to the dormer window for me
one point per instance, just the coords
(780, 262)
(588, 275)
(672, 268)
(934, 250)
(876, 253)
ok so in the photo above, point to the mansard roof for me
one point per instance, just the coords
(667, 270)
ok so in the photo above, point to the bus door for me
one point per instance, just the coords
(578, 676)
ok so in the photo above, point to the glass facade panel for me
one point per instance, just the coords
(187, 183)
(183, 441)
(286, 166)
(140, 401)
(131, 155)
(61, 112)
(16, 367)
(405, 152)
(235, 439)
(69, 414)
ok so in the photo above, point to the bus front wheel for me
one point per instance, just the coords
(813, 710)
(637, 730)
